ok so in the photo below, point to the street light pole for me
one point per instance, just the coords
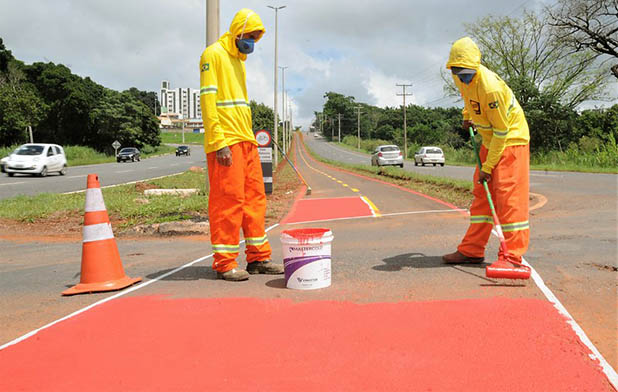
(339, 118)
(276, 160)
(283, 104)
(405, 124)
(212, 21)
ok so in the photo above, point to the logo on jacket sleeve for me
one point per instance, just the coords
(476, 106)
(205, 67)
(493, 105)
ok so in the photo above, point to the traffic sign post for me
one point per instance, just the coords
(116, 144)
(266, 157)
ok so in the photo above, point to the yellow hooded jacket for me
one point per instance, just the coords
(489, 103)
(223, 89)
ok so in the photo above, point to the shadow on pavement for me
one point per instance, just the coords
(189, 273)
(420, 260)
(276, 283)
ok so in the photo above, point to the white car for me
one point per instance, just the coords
(36, 158)
(387, 155)
(429, 155)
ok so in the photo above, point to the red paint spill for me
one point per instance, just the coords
(148, 343)
(308, 210)
(306, 234)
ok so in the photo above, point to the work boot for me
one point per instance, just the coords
(233, 275)
(459, 258)
(264, 267)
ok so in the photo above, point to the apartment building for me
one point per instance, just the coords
(185, 102)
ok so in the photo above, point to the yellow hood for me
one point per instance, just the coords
(464, 54)
(245, 21)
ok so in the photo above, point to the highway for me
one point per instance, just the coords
(109, 174)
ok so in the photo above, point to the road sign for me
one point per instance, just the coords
(116, 144)
(265, 151)
(263, 138)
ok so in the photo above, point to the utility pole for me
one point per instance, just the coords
(405, 124)
(276, 160)
(339, 118)
(291, 133)
(358, 108)
(212, 22)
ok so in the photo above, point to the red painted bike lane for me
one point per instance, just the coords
(155, 342)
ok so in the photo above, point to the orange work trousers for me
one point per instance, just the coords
(509, 188)
(237, 199)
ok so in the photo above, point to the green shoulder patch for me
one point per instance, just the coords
(493, 105)
(205, 67)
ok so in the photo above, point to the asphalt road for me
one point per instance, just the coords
(573, 238)
(109, 174)
(388, 259)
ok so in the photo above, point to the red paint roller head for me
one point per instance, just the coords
(503, 269)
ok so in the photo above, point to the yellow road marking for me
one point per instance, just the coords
(354, 189)
(374, 210)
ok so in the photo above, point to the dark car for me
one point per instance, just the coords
(128, 154)
(183, 150)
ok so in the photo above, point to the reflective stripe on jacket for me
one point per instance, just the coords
(223, 90)
(489, 103)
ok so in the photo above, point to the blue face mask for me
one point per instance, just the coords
(466, 78)
(245, 45)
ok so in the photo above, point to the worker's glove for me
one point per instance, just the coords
(467, 124)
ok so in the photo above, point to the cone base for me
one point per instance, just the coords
(101, 286)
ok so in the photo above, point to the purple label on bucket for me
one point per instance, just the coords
(292, 264)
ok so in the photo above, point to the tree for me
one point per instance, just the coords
(262, 117)
(523, 53)
(149, 98)
(587, 25)
(20, 106)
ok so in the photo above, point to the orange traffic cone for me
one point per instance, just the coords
(101, 266)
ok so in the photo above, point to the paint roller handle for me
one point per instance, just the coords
(479, 165)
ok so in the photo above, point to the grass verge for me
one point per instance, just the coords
(457, 192)
(176, 138)
(126, 204)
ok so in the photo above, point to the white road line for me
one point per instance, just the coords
(83, 175)
(120, 294)
(596, 355)
(153, 167)
(125, 183)
(545, 175)
(123, 171)
(13, 183)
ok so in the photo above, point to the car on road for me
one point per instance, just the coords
(429, 155)
(388, 154)
(36, 158)
(128, 154)
(183, 150)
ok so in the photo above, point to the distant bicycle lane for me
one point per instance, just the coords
(394, 318)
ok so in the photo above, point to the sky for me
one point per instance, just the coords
(359, 48)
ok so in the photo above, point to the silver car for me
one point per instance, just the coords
(387, 155)
(429, 154)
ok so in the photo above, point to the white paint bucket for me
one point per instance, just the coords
(306, 258)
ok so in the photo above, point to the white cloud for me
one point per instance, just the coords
(357, 48)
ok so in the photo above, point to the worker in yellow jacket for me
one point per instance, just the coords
(492, 109)
(237, 198)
